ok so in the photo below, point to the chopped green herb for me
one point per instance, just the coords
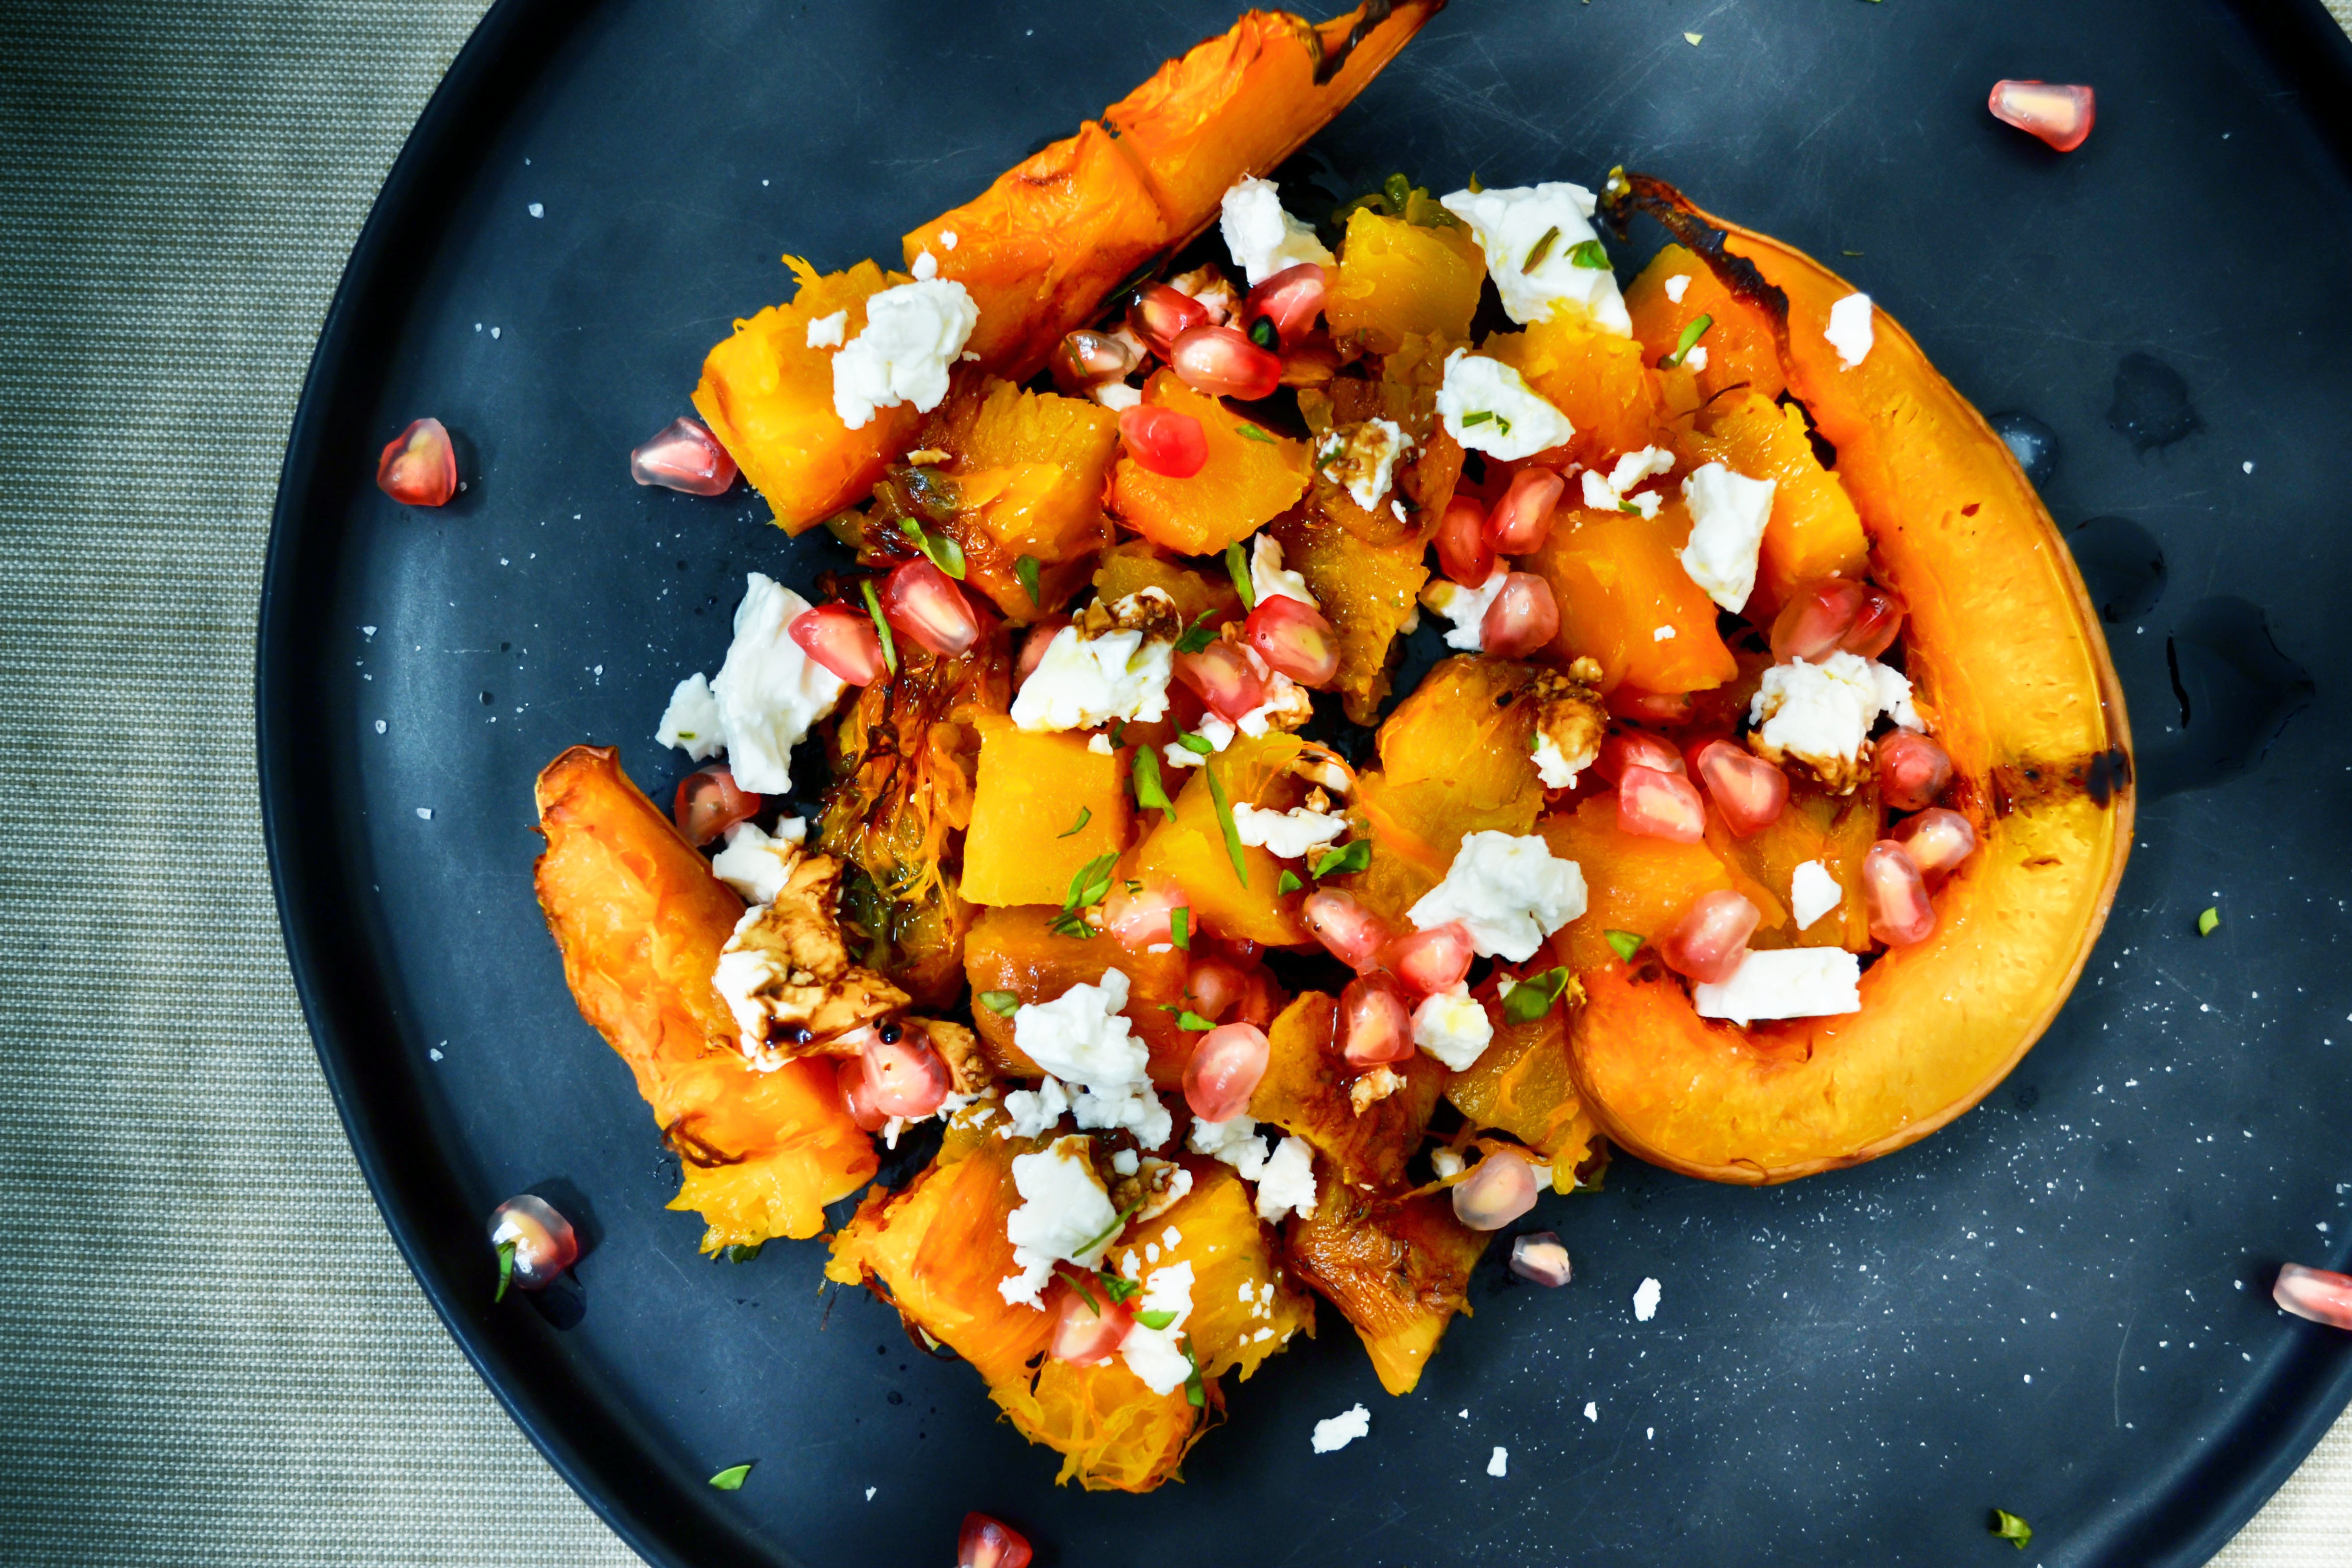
(2011, 1527)
(506, 1268)
(1542, 249)
(1196, 744)
(1188, 1020)
(1103, 1238)
(2209, 922)
(1091, 885)
(881, 626)
(1133, 886)
(1078, 1283)
(1480, 418)
(1474, 186)
(1180, 930)
(1197, 635)
(1398, 189)
(1156, 1318)
(1345, 862)
(1532, 997)
(1119, 1289)
(1117, 732)
(1588, 253)
(730, 1479)
(1625, 943)
(1262, 332)
(1071, 923)
(1225, 822)
(1237, 567)
(739, 1253)
(1085, 815)
(1004, 1003)
(1025, 568)
(1624, 505)
(1691, 335)
(1288, 882)
(1251, 432)
(945, 552)
(1150, 795)
(1195, 1391)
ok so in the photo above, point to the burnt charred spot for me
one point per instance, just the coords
(2036, 784)
(1330, 65)
(1824, 451)
(679, 1140)
(1628, 194)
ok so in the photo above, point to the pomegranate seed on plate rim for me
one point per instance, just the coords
(1656, 805)
(1375, 1024)
(684, 456)
(985, 1543)
(905, 1077)
(1499, 1190)
(1707, 943)
(543, 1242)
(1226, 1064)
(842, 639)
(1220, 361)
(1523, 617)
(709, 802)
(1749, 792)
(924, 603)
(1897, 896)
(1522, 520)
(419, 465)
(1350, 932)
(1462, 552)
(1163, 440)
(1912, 771)
(2315, 1293)
(1541, 1259)
(2058, 113)
(1290, 301)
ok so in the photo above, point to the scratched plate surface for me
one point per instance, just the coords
(2057, 1306)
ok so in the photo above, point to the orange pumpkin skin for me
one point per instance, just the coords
(1246, 483)
(640, 920)
(2003, 646)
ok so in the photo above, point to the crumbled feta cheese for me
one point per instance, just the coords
(690, 722)
(1447, 1163)
(1510, 224)
(1287, 1182)
(1645, 1299)
(1235, 1142)
(1035, 1112)
(1784, 983)
(1729, 512)
(947, 240)
(1849, 330)
(1509, 890)
(829, 331)
(1126, 1162)
(1894, 696)
(1265, 240)
(1606, 492)
(1592, 1410)
(1694, 357)
(913, 333)
(1084, 682)
(1065, 1216)
(1117, 396)
(768, 693)
(1363, 459)
(1270, 580)
(1676, 286)
(1464, 607)
(1287, 835)
(1556, 770)
(1152, 1353)
(1663, 634)
(755, 864)
(1099, 744)
(1489, 407)
(1082, 1037)
(1813, 893)
(1499, 1462)
(1453, 1027)
(926, 267)
(1341, 1430)
(1821, 713)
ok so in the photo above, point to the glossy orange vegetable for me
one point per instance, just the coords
(1598, 378)
(1018, 952)
(1814, 531)
(1397, 277)
(1397, 1270)
(1619, 581)
(1045, 808)
(1245, 904)
(1246, 481)
(1306, 1087)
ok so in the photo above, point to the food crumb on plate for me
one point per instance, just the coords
(1500, 1464)
(1343, 1429)
(1593, 1410)
(1645, 1299)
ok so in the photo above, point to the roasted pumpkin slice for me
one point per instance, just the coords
(1309, 1087)
(2002, 643)
(640, 920)
(1367, 591)
(1598, 378)
(1397, 277)
(1235, 891)
(1244, 1306)
(1813, 532)
(1625, 600)
(1397, 1270)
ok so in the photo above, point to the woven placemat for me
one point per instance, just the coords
(209, 1350)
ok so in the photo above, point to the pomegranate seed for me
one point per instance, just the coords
(1224, 1070)
(709, 802)
(544, 1242)
(1428, 962)
(1164, 441)
(1897, 896)
(2058, 115)
(1294, 639)
(1219, 362)
(1260, 1000)
(1039, 637)
(1912, 771)
(1815, 622)
(1749, 792)
(1937, 840)
(2316, 1294)
(986, 1542)
(1214, 985)
(1501, 1189)
(1522, 518)
(1541, 1259)
(1352, 933)
(924, 603)
(840, 639)
(1159, 315)
(420, 467)
(684, 456)
(1651, 707)
(1142, 918)
(1375, 1025)
(1085, 359)
(1462, 552)
(1659, 805)
(858, 1094)
(905, 1076)
(1523, 617)
(1635, 748)
(1228, 684)
(1290, 300)
(1876, 623)
(1088, 1334)
(1707, 943)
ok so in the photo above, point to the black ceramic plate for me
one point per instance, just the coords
(2056, 1306)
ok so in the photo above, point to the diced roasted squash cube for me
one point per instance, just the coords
(1367, 591)
(1045, 807)
(1837, 831)
(1625, 600)
(1520, 1085)
(1027, 472)
(1134, 565)
(1633, 882)
(1814, 531)
(1244, 1307)
(1018, 950)
(1246, 483)
(1306, 1091)
(1741, 349)
(1597, 378)
(1396, 278)
(1398, 1271)
(1244, 902)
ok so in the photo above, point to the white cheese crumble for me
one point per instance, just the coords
(913, 333)
(1033, 1111)
(1677, 285)
(754, 863)
(1813, 893)
(1663, 634)
(1453, 1027)
(1152, 1353)
(1606, 492)
(1341, 1430)
(768, 693)
(1555, 767)
(1645, 1299)
(690, 722)
(1499, 1462)
(1117, 396)
(1270, 580)
(1489, 407)
(1593, 1410)
(1509, 890)
(1265, 240)
(1364, 459)
(1287, 835)
(1729, 512)
(1849, 330)
(1084, 682)
(926, 267)
(1785, 983)
(1288, 1183)
(1821, 713)
(829, 331)
(1464, 607)
(1236, 1141)
(1694, 357)
(1065, 1216)
(1510, 224)
(1082, 1037)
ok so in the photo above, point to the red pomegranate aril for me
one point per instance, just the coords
(843, 640)
(1499, 1190)
(1350, 932)
(1225, 1071)
(1462, 552)
(986, 1542)
(1141, 918)
(2058, 115)
(1296, 639)
(2318, 1294)
(1707, 943)
(1033, 643)
(1876, 623)
(1523, 617)
(1912, 771)
(1291, 300)
(1815, 622)
(1159, 315)
(1084, 359)
(1220, 361)
(1212, 985)
(1260, 1000)
(1938, 840)
(923, 603)
(1522, 518)
(905, 1076)
(709, 802)
(684, 456)
(1635, 748)
(1375, 1024)
(858, 1094)
(1164, 441)
(1650, 707)
(1427, 961)
(419, 466)
(1088, 1333)
(1227, 683)
(545, 1245)
(1897, 896)
(1541, 1259)
(1656, 805)
(1749, 792)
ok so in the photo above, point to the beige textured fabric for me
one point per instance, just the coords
(209, 1350)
